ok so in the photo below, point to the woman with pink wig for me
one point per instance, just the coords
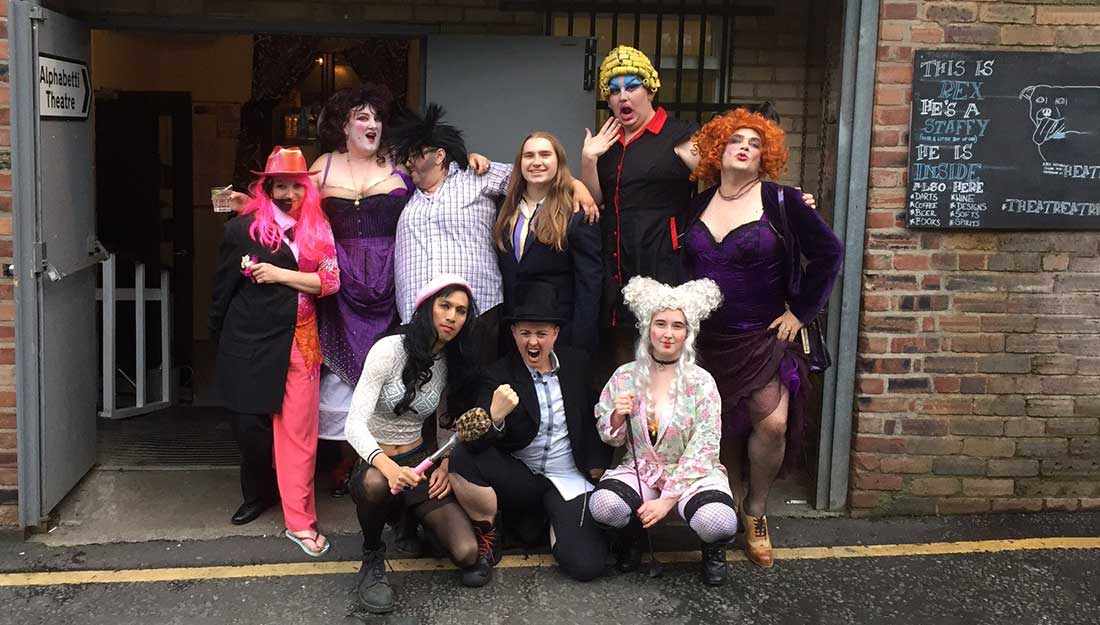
(275, 259)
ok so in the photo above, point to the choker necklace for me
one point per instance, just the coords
(740, 193)
(664, 363)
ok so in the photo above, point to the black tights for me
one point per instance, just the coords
(443, 517)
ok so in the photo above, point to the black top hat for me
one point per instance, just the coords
(535, 301)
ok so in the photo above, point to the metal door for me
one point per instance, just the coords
(498, 89)
(57, 257)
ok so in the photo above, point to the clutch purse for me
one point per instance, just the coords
(814, 347)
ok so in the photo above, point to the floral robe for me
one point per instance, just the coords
(685, 459)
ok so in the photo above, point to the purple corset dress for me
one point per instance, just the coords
(355, 317)
(747, 361)
(352, 319)
(747, 265)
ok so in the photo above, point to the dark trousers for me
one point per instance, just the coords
(580, 547)
(256, 443)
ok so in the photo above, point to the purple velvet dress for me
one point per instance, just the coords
(747, 361)
(364, 309)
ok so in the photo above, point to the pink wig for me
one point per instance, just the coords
(312, 234)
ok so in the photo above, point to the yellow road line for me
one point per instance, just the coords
(292, 569)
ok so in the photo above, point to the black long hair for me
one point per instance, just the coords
(334, 116)
(461, 353)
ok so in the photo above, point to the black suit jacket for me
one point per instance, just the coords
(575, 274)
(253, 324)
(521, 426)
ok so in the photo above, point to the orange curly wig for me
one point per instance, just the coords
(712, 138)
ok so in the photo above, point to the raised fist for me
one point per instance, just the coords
(505, 401)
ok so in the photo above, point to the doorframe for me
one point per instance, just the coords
(860, 47)
(26, 182)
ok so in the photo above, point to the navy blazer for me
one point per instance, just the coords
(575, 274)
(521, 426)
(253, 324)
(805, 236)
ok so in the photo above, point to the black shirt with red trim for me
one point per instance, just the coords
(645, 189)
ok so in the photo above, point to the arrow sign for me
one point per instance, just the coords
(64, 89)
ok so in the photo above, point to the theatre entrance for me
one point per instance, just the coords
(176, 114)
(181, 106)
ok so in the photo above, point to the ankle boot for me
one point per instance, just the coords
(758, 543)
(714, 563)
(373, 588)
(628, 547)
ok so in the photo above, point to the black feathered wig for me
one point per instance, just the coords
(412, 134)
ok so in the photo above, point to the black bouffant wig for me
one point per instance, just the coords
(334, 116)
(412, 134)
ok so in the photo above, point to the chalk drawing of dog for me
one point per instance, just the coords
(1067, 122)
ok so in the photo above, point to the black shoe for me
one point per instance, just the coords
(478, 575)
(714, 563)
(628, 547)
(250, 511)
(373, 588)
(341, 489)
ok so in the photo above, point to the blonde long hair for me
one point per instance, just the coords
(551, 225)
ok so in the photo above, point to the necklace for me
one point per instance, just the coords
(665, 362)
(740, 193)
(354, 182)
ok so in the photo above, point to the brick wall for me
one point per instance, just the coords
(780, 58)
(979, 354)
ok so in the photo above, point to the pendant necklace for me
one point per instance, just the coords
(354, 182)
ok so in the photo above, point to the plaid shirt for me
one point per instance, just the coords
(451, 231)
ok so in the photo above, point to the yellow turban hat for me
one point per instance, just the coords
(627, 61)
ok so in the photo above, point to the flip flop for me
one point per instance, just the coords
(301, 542)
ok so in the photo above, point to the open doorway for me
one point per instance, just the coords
(178, 114)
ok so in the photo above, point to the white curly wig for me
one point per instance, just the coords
(646, 297)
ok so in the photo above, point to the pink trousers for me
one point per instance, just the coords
(295, 433)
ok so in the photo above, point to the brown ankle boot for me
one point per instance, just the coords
(758, 544)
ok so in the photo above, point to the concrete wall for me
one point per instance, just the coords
(979, 364)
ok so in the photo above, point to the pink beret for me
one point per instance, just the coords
(439, 283)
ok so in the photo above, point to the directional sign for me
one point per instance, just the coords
(64, 90)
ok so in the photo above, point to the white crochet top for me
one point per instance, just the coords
(370, 417)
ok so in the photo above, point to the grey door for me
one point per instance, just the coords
(498, 89)
(61, 203)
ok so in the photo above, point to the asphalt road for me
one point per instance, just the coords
(908, 583)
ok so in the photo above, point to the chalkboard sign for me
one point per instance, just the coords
(1004, 140)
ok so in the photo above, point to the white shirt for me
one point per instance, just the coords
(528, 214)
(451, 231)
(286, 222)
(550, 453)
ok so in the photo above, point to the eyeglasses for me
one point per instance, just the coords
(420, 155)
